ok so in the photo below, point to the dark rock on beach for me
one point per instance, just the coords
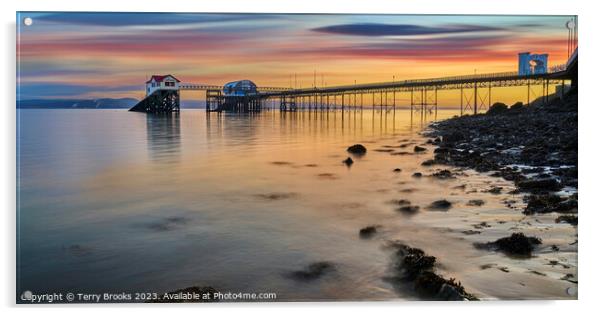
(428, 162)
(497, 108)
(369, 231)
(429, 284)
(408, 209)
(440, 205)
(348, 161)
(539, 185)
(570, 219)
(418, 149)
(443, 174)
(548, 203)
(476, 202)
(516, 244)
(495, 190)
(357, 149)
(414, 265)
(417, 174)
(313, 271)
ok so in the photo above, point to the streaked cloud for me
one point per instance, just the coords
(146, 18)
(107, 54)
(379, 29)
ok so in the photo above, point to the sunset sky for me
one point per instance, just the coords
(91, 55)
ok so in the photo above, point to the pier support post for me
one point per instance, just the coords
(476, 96)
(528, 91)
(489, 94)
(373, 102)
(461, 101)
(436, 103)
(412, 100)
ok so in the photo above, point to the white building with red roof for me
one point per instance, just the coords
(162, 82)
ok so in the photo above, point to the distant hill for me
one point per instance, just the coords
(103, 103)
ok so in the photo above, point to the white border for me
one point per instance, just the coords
(589, 136)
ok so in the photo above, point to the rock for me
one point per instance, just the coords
(476, 202)
(417, 174)
(539, 185)
(495, 190)
(418, 149)
(548, 203)
(397, 170)
(357, 149)
(570, 277)
(481, 225)
(429, 162)
(516, 244)
(443, 174)
(570, 219)
(509, 174)
(415, 266)
(313, 271)
(413, 261)
(368, 232)
(449, 293)
(497, 109)
(409, 209)
(452, 137)
(517, 107)
(348, 161)
(442, 205)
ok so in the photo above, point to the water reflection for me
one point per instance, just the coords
(163, 137)
(377, 120)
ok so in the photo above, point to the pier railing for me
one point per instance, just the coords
(485, 77)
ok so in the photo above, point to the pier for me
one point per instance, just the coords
(475, 92)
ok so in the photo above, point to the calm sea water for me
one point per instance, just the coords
(113, 201)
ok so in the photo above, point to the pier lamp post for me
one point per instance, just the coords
(570, 25)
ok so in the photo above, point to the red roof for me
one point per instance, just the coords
(160, 78)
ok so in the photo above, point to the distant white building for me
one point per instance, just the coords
(162, 82)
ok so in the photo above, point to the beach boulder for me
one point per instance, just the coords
(357, 149)
(497, 108)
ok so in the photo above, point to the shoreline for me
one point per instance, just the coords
(533, 146)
